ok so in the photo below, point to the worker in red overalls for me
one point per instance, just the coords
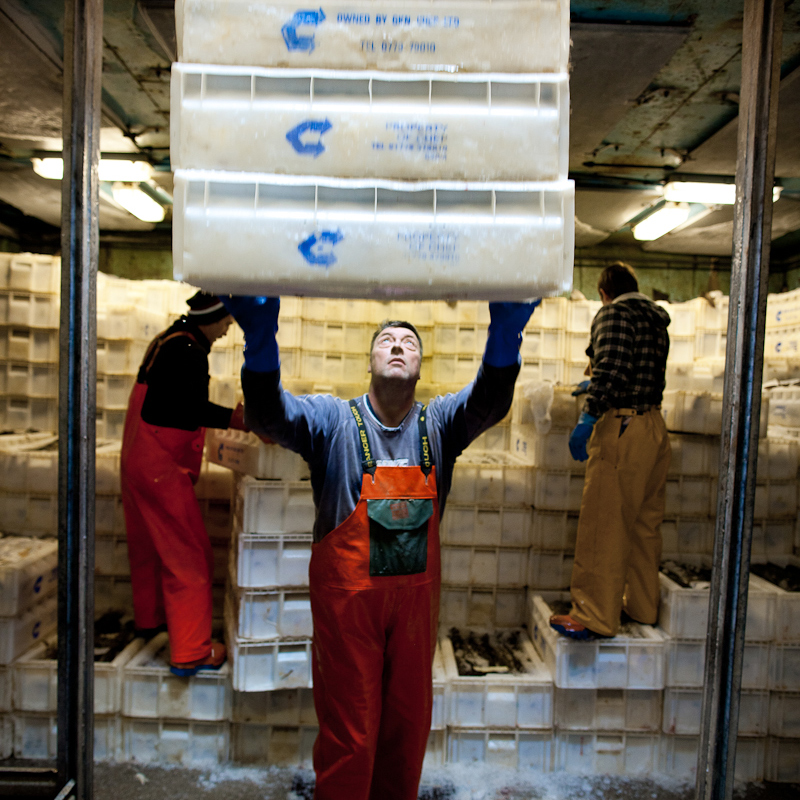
(381, 468)
(162, 448)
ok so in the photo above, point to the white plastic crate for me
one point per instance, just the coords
(550, 370)
(558, 491)
(354, 124)
(264, 560)
(338, 309)
(274, 506)
(109, 515)
(678, 757)
(214, 483)
(784, 406)
(454, 369)
(464, 338)
(688, 535)
(784, 667)
(6, 736)
(775, 500)
(772, 538)
(683, 612)
(782, 342)
(28, 572)
(31, 272)
(283, 707)
(501, 748)
(36, 679)
(683, 709)
(606, 753)
(489, 527)
(550, 570)
(273, 745)
(681, 348)
(137, 322)
(496, 700)
(784, 714)
(554, 531)
(18, 634)
(27, 413)
(580, 316)
(120, 356)
(552, 313)
(787, 604)
(114, 391)
(634, 661)
(550, 451)
(337, 337)
(340, 367)
(492, 479)
(149, 689)
(783, 760)
(187, 743)
(783, 310)
(496, 439)
(690, 495)
(246, 453)
(265, 614)
(608, 710)
(686, 662)
(710, 343)
(23, 308)
(217, 518)
(28, 514)
(431, 240)
(36, 737)
(34, 345)
(694, 455)
(777, 459)
(110, 423)
(265, 666)
(547, 344)
(485, 566)
(453, 37)
(468, 606)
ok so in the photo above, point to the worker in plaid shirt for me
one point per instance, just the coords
(622, 434)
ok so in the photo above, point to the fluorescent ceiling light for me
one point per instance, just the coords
(110, 169)
(135, 201)
(662, 221)
(710, 194)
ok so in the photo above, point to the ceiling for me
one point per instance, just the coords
(654, 92)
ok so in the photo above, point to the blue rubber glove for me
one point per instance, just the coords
(581, 388)
(580, 436)
(507, 321)
(258, 318)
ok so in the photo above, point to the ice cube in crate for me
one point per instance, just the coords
(465, 40)
(274, 506)
(418, 232)
(505, 567)
(683, 612)
(264, 614)
(187, 743)
(608, 710)
(264, 560)
(516, 694)
(606, 753)
(265, 666)
(483, 608)
(686, 663)
(678, 757)
(683, 710)
(634, 659)
(273, 745)
(36, 678)
(149, 689)
(515, 749)
(28, 572)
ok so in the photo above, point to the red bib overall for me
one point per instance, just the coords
(375, 603)
(168, 547)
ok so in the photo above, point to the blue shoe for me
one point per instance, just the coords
(567, 626)
(214, 660)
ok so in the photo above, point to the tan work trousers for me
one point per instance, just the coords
(618, 548)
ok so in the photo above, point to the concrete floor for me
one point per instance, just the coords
(137, 782)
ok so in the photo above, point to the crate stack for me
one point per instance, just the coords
(29, 315)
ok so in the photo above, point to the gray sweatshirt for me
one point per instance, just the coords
(321, 428)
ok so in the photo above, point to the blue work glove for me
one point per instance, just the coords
(507, 321)
(580, 436)
(581, 388)
(258, 318)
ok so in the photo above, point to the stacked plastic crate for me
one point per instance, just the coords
(29, 314)
(28, 612)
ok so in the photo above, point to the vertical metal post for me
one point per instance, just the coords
(83, 54)
(742, 399)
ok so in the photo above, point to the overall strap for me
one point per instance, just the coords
(367, 461)
(425, 458)
(154, 349)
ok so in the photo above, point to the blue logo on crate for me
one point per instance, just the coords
(37, 587)
(294, 41)
(318, 248)
(309, 148)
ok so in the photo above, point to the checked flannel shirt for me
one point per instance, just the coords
(628, 353)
